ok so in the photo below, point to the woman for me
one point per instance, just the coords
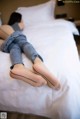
(16, 43)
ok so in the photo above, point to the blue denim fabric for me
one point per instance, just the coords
(15, 45)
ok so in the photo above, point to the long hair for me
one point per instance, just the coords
(14, 17)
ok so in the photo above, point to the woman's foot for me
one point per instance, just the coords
(41, 69)
(22, 73)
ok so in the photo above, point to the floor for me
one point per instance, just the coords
(15, 115)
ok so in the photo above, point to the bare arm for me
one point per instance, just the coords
(5, 31)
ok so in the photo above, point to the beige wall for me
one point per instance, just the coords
(8, 6)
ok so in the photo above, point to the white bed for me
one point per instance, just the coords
(53, 39)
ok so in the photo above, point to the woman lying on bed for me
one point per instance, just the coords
(16, 43)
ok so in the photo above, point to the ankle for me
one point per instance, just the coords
(18, 66)
(37, 60)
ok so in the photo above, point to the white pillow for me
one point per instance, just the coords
(39, 13)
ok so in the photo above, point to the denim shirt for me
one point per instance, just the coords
(9, 40)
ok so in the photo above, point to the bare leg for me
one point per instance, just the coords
(40, 68)
(24, 74)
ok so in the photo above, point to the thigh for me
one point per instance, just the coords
(21, 41)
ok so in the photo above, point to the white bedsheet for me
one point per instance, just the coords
(54, 42)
